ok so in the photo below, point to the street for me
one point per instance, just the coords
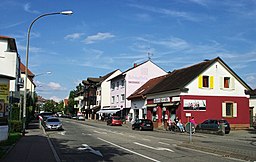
(95, 141)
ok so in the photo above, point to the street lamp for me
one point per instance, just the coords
(26, 67)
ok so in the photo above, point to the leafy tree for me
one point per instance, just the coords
(71, 102)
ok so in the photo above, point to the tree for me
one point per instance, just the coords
(71, 102)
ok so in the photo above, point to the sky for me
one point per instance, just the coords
(104, 35)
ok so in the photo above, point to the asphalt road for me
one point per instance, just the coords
(95, 141)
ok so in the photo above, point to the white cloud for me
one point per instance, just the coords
(73, 36)
(98, 37)
(54, 86)
(55, 98)
(27, 8)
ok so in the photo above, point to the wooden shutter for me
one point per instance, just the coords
(200, 81)
(232, 83)
(234, 109)
(223, 109)
(211, 82)
(221, 82)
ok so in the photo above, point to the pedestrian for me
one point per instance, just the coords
(180, 125)
(176, 120)
(192, 120)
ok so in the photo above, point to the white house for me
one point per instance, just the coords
(9, 76)
(123, 85)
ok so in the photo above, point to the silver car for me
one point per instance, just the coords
(53, 123)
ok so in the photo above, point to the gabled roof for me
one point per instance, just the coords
(178, 79)
(135, 66)
(22, 70)
(98, 80)
(139, 93)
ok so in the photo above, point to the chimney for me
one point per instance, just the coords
(134, 65)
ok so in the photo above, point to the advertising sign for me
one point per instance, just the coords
(194, 104)
(4, 92)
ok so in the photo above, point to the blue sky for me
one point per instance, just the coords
(104, 35)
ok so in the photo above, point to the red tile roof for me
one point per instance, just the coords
(22, 69)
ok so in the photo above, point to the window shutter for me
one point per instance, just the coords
(200, 81)
(221, 82)
(234, 109)
(223, 109)
(211, 82)
(232, 83)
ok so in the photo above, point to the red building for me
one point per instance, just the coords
(207, 90)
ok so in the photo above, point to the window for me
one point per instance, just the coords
(229, 109)
(122, 83)
(205, 81)
(122, 97)
(226, 82)
(117, 85)
(117, 98)
(112, 99)
(113, 86)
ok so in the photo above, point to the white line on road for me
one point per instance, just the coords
(129, 150)
(164, 143)
(99, 132)
(153, 148)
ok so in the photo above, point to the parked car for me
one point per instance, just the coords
(114, 120)
(45, 115)
(80, 117)
(53, 123)
(143, 124)
(254, 124)
(214, 125)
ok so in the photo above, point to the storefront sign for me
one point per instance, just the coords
(161, 100)
(4, 92)
(194, 104)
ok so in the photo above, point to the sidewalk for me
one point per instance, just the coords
(33, 147)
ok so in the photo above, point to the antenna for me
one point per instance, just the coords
(149, 55)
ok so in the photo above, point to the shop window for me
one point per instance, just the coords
(229, 109)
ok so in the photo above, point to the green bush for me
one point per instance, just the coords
(16, 126)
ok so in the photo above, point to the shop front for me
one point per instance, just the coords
(160, 110)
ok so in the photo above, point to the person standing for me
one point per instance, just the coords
(192, 120)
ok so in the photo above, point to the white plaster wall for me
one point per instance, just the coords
(106, 90)
(30, 85)
(217, 70)
(8, 64)
(137, 104)
(253, 104)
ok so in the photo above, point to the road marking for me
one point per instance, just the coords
(99, 132)
(57, 158)
(164, 143)
(144, 139)
(129, 150)
(86, 147)
(86, 134)
(62, 133)
(158, 148)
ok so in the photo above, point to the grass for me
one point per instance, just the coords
(5, 145)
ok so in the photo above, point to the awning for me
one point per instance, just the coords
(151, 105)
(108, 111)
(171, 104)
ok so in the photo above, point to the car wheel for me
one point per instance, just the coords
(141, 128)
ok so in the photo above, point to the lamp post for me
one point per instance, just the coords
(26, 67)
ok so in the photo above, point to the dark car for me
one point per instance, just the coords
(114, 120)
(214, 125)
(143, 124)
(254, 124)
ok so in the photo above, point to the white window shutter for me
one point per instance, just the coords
(234, 109)
(223, 109)
(221, 82)
(232, 83)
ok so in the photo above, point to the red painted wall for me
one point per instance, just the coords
(214, 109)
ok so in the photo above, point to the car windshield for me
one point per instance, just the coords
(146, 121)
(53, 120)
(117, 118)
